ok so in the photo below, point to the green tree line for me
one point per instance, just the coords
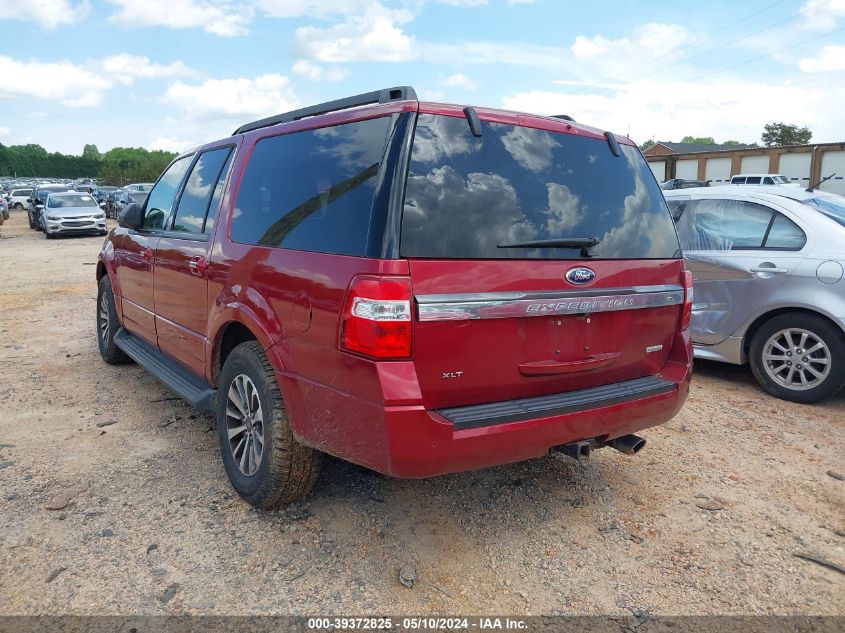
(117, 166)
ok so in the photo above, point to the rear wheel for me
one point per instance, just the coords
(107, 325)
(799, 357)
(264, 462)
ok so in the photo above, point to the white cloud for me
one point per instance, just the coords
(321, 9)
(126, 68)
(822, 14)
(315, 72)
(521, 1)
(47, 13)
(462, 3)
(219, 17)
(830, 59)
(4, 131)
(511, 53)
(362, 39)
(459, 80)
(669, 110)
(263, 95)
(170, 144)
(69, 83)
(599, 55)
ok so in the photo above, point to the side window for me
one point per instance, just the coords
(752, 180)
(737, 180)
(312, 190)
(785, 235)
(723, 225)
(199, 188)
(768, 181)
(160, 202)
(214, 206)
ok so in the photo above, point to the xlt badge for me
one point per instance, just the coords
(452, 374)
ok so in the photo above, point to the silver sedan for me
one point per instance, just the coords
(72, 212)
(768, 267)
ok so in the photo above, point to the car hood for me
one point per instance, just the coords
(73, 212)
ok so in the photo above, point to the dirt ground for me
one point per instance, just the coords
(706, 520)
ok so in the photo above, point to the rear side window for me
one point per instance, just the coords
(734, 225)
(312, 190)
(738, 180)
(467, 195)
(752, 180)
(199, 189)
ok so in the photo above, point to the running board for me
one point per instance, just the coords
(180, 379)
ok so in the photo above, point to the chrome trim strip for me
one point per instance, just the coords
(503, 305)
(553, 294)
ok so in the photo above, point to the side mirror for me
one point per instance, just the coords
(131, 217)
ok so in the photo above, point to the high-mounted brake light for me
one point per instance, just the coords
(377, 317)
(686, 315)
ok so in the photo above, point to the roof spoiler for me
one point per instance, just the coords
(398, 93)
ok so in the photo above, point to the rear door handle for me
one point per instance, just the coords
(767, 269)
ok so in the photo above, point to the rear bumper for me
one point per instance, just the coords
(408, 440)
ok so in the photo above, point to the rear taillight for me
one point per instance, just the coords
(686, 315)
(377, 317)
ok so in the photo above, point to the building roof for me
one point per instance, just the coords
(690, 148)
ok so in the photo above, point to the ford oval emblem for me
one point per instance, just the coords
(580, 275)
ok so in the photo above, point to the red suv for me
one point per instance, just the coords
(415, 287)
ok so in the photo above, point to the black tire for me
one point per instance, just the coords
(110, 352)
(819, 330)
(29, 217)
(286, 470)
(49, 236)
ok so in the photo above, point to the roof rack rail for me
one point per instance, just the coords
(565, 117)
(398, 93)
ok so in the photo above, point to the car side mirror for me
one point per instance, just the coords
(131, 217)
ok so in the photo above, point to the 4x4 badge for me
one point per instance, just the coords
(580, 275)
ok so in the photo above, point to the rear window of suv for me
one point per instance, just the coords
(467, 195)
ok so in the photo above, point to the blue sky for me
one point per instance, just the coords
(174, 73)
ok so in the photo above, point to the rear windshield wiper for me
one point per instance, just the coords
(569, 242)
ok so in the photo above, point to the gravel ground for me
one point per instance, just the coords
(114, 499)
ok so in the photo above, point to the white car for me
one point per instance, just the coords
(762, 179)
(18, 198)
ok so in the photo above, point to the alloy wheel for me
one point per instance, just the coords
(796, 358)
(245, 424)
(103, 315)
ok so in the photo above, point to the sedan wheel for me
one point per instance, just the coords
(796, 358)
(799, 357)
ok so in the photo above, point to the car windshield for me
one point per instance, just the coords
(43, 193)
(780, 180)
(832, 207)
(71, 200)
